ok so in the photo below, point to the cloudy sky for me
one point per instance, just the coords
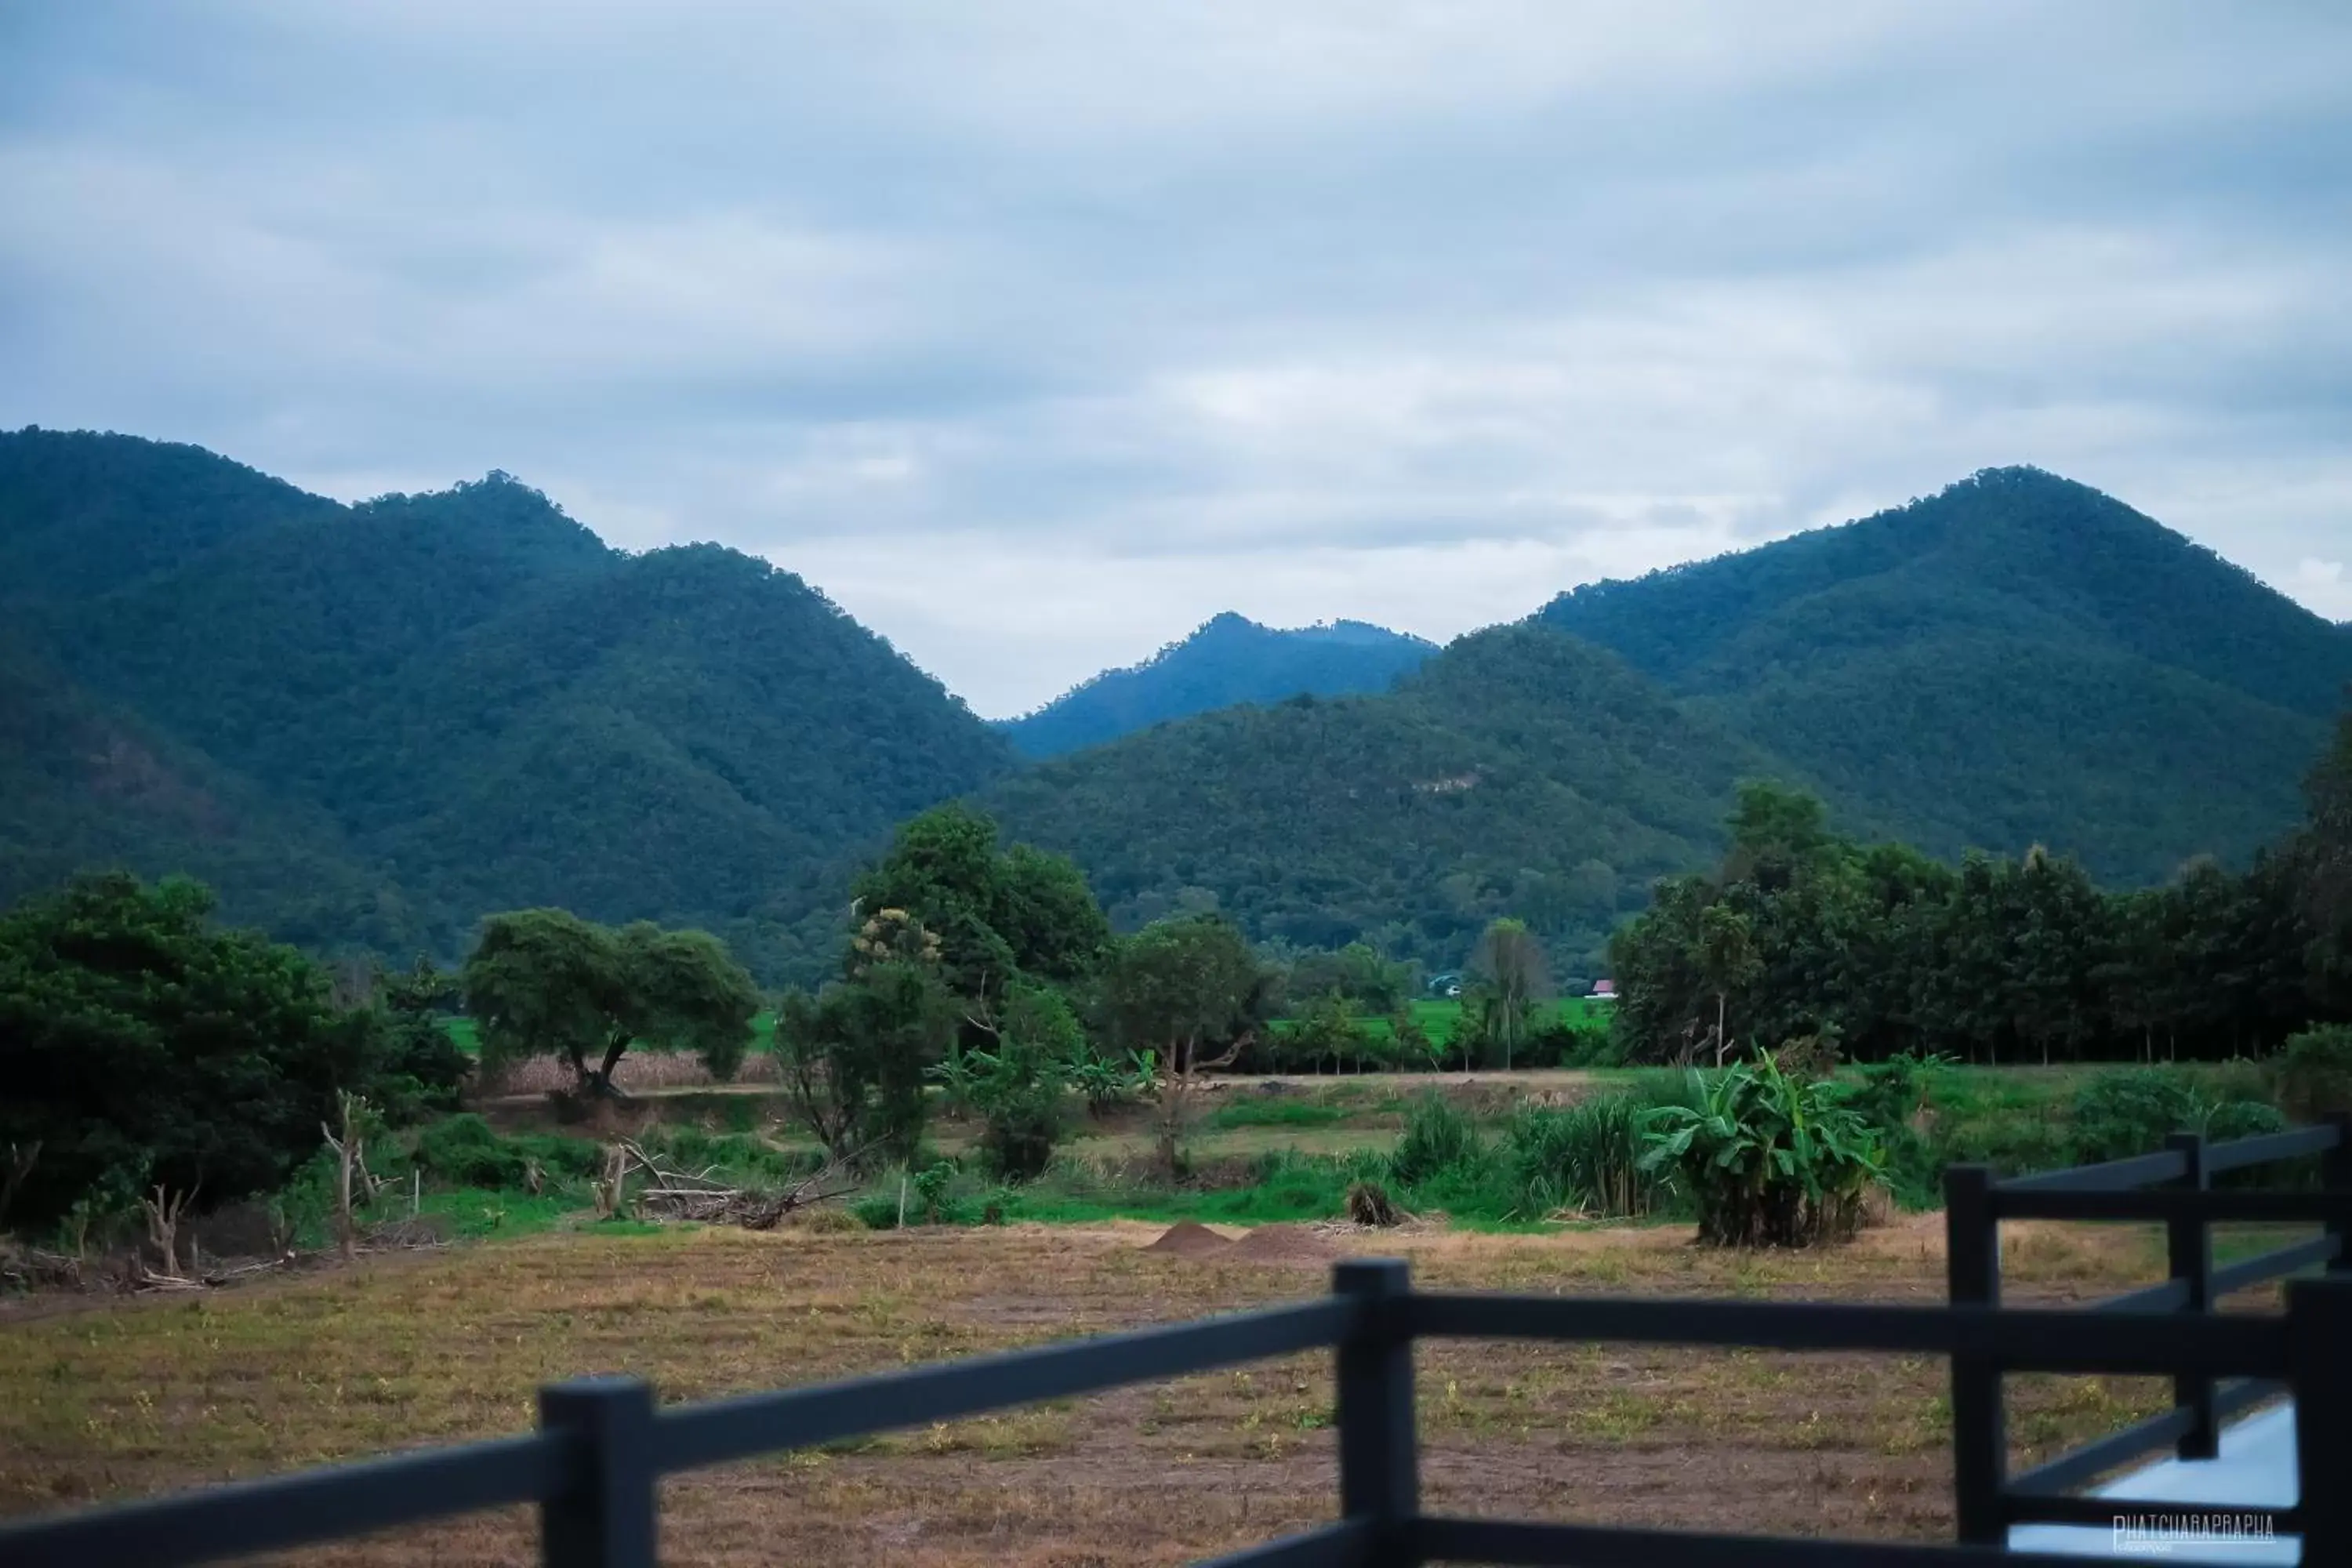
(1037, 332)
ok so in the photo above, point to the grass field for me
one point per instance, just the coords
(1437, 1019)
(134, 1398)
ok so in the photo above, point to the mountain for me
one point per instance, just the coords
(1518, 771)
(2017, 659)
(369, 725)
(431, 707)
(1226, 662)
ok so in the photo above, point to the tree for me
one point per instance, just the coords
(1727, 960)
(1511, 979)
(547, 982)
(994, 915)
(1019, 1084)
(2324, 851)
(855, 1056)
(1180, 988)
(143, 1046)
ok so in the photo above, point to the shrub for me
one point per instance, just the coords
(1770, 1160)
(1436, 1138)
(2115, 1115)
(1892, 1097)
(2011, 1145)
(464, 1150)
(467, 1151)
(2314, 1071)
(1017, 1089)
(927, 1196)
(2236, 1118)
(1105, 1084)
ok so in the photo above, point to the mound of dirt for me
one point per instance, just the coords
(1190, 1239)
(1284, 1244)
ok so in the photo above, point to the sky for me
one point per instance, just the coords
(1036, 333)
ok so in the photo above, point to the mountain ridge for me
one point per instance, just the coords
(1226, 660)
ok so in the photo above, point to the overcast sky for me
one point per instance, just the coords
(1037, 333)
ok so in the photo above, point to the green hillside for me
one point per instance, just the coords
(2017, 659)
(437, 705)
(1518, 772)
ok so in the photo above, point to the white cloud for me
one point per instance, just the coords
(1037, 332)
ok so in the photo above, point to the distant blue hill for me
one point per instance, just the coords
(1230, 660)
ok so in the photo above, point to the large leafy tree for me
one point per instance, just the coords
(547, 982)
(141, 1044)
(995, 915)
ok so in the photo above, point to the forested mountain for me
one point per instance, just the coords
(371, 724)
(2018, 659)
(1520, 772)
(1228, 662)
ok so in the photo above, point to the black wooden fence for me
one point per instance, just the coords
(1987, 1499)
(602, 1445)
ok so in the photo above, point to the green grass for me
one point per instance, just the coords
(476, 1212)
(1440, 1019)
(1277, 1111)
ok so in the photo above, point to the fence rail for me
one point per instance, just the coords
(603, 1445)
(2172, 1186)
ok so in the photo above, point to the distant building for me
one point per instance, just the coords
(1604, 991)
(1447, 985)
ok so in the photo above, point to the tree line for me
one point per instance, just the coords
(1876, 949)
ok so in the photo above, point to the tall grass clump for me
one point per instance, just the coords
(1586, 1158)
(1437, 1138)
(1770, 1160)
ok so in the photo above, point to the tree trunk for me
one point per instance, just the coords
(602, 1083)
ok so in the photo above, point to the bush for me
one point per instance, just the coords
(2314, 1071)
(2115, 1115)
(1770, 1160)
(1891, 1095)
(2236, 1118)
(928, 1197)
(1018, 1089)
(464, 1150)
(467, 1151)
(2011, 1145)
(1437, 1138)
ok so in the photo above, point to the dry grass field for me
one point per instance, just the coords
(134, 1398)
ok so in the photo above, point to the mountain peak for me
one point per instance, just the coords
(1228, 659)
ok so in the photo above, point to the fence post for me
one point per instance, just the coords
(1379, 1460)
(2336, 1175)
(2189, 1253)
(2319, 1341)
(606, 1518)
(1979, 1436)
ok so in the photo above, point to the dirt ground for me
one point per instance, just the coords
(141, 1397)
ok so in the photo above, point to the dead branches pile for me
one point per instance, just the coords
(672, 1193)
